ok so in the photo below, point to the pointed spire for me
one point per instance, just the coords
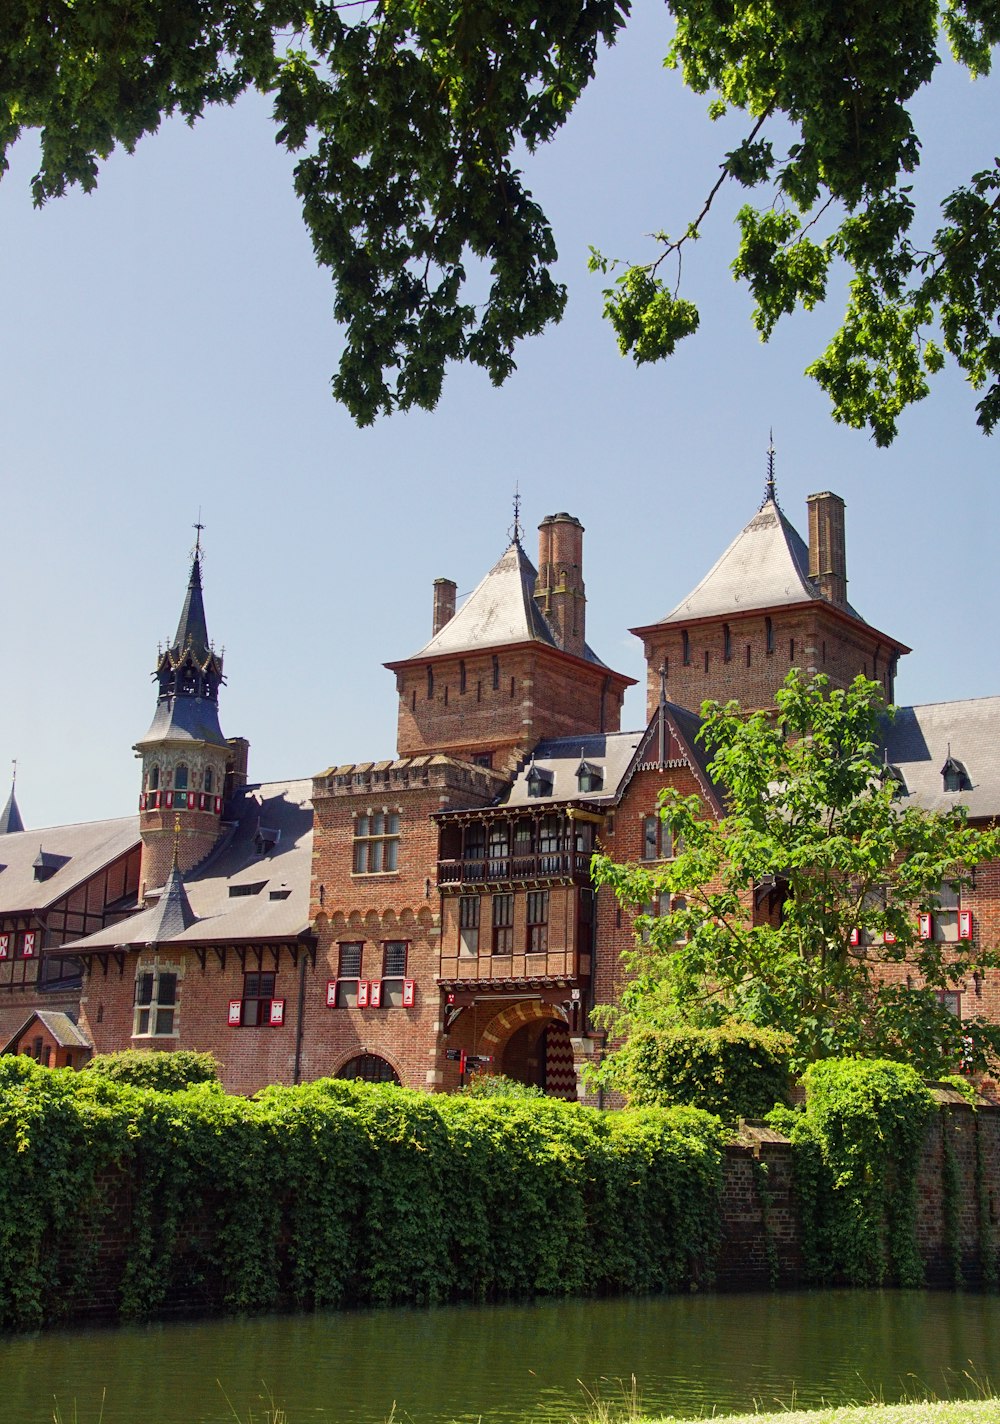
(192, 629)
(770, 488)
(172, 912)
(10, 816)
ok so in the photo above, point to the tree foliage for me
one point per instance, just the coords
(410, 117)
(815, 820)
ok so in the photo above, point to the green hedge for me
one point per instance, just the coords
(166, 1072)
(735, 1070)
(336, 1194)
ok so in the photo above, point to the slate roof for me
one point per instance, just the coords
(766, 566)
(274, 903)
(501, 610)
(185, 719)
(82, 850)
(63, 1030)
(560, 756)
(918, 741)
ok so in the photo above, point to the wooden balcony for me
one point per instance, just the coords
(569, 865)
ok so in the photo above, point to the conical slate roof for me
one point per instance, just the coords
(10, 816)
(501, 609)
(192, 629)
(766, 566)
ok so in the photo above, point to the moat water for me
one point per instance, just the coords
(691, 1355)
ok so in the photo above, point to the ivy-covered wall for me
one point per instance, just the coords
(121, 1202)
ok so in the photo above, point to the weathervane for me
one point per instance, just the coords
(515, 532)
(198, 527)
(770, 488)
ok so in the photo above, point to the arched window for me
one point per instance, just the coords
(208, 779)
(369, 1068)
(181, 777)
(154, 778)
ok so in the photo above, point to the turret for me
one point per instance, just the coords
(184, 754)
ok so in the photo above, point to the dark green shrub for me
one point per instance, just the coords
(735, 1070)
(162, 1071)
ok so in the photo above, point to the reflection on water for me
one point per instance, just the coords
(690, 1355)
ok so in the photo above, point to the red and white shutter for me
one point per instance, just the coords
(375, 993)
(331, 993)
(888, 937)
(362, 993)
(855, 936)
(235, 1013)
(28, 948)
(277, 1013)
(4, 946)
(218, 805)
(925, 925)
(408, 993)
(965, 924)
(169, 798)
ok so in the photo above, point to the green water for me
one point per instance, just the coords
(689, 1355)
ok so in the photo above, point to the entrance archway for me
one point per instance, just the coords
(530, 1043)
(370, 1068)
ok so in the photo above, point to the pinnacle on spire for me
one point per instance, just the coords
(10, 816)
(770, 488)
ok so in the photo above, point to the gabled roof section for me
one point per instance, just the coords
(10, 817)
(766, 566)
(60, 1026)
(500, 611)
(920, 741)
(671, 739)
(560, 758)
(271, 884)
(79, 852)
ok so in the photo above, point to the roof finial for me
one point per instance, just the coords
(663, 717)
(197, 542)
(13, 775)
(515, 532)
(770, 489)
(177, 839)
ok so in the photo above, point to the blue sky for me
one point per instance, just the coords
(168, 344)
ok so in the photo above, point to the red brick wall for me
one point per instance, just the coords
(552, 696)
(823, 643)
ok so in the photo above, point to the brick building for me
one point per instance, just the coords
(393, 919)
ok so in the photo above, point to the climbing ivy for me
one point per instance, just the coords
(858, 1144)
(334, 1194)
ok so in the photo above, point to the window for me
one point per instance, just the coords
(394, 955)
(376, 843)
(768, 636)
(369, 1068)
(496, 673)
(155, 1003)
(657, 842)
(181, 777)
(538, 921)
(208, 780)
(474, 842)
(430, 684)
(589, 777)
(549, 844)
(685, 648)
(503, 924)
(540, 783)
(727, 643)
(499, 849)
(461, 675)
(154, 778)
(791, 650)
(952, 1001)
(348, 974)
(482, 759)
(468, 924)
(258, 991)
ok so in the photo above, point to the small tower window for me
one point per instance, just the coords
(727, 643)
(461, 676)
(686, 648)
(154, 778)
(181, 777)
(209, 782)
(768, 635)
(430, 683)
(496, 674)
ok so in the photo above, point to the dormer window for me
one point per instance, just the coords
(539, 782)
(46, 864)
(892, 776)
(589, 777)
(265, 839)
(955, 776)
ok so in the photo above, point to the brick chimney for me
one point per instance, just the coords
(559, 590)
(827, 552)
(444, 602)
